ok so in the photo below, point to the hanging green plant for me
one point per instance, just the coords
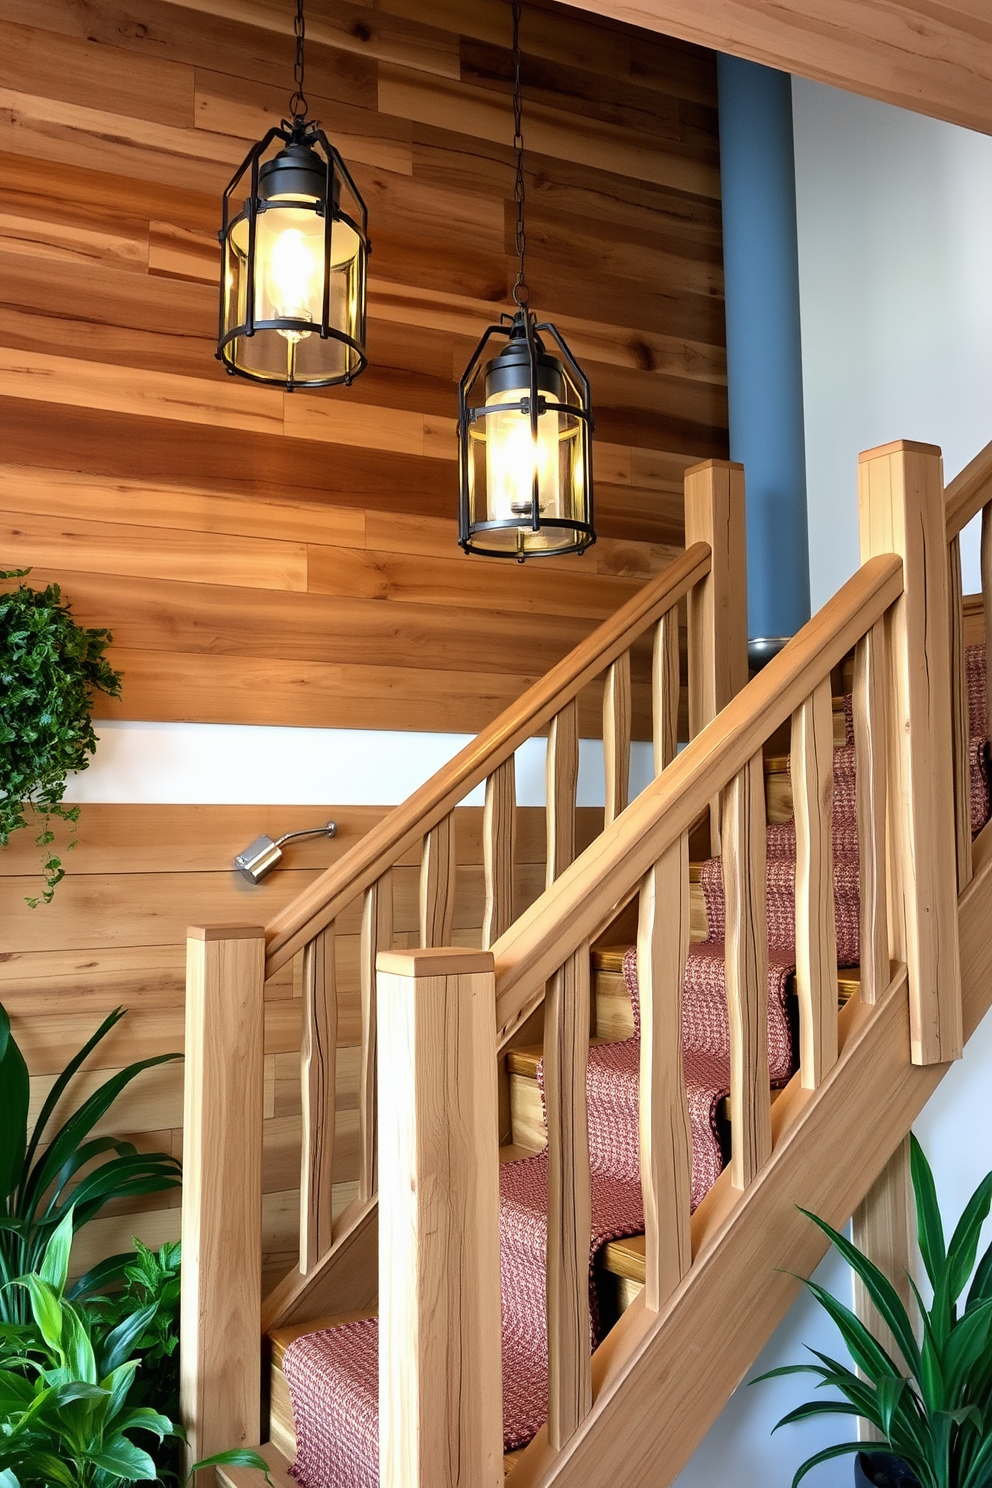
(49, 669)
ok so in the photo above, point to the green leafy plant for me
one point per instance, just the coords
(66, 1420)
(151, 1287)
(49, 669)
(73, 1172)
(932, 1405)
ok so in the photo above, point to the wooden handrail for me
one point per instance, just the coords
(582, 900)
(405, 826)
(969, 491)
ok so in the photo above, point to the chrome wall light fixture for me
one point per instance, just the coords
(524, 421)
(258, 860)
(294, 257)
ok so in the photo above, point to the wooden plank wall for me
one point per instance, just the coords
(269, 558)
(115, 935)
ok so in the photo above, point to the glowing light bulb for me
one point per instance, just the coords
(293, 274)
(514, 456)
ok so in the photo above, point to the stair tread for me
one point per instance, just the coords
(281, 1338)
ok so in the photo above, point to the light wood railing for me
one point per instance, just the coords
(968, 495)
(715, 1281)
(710, 577)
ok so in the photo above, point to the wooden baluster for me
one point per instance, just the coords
(959, 705)
(884, 1227)
(566, 1056)
(440, 1386)
(665, 687)
(377, 935)
(498, 832)
(616, 737)
(220, 1376)
(901, 497)
(437, 883)
(870, 755)
(318, 1090)
(812, 768)
(716, 607)
(986, 561)
(747, 970)
(665, 1136)
(562, 778)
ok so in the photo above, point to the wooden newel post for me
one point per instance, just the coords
(220, 1360)
(716, 607)
(901, 501)
(440, 1381)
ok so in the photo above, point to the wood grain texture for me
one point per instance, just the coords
(118, 133)
(318, 1082)
(566, 1054)
(377, 936)
(499, 832)
(437, 884)
(986, 560)
(747, 971)
(561, 783)
(871, 753)
(616, 736)
(884, 1227)
(812, 762)
(933, 60)
(582, 902)
(657, 1391)
(665, 1136)
(440, 1395)
(222, 1213)
(960, 721)
(665, 690)
(901, 499)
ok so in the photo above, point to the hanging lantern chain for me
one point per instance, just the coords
(298, 102)
(521, 293)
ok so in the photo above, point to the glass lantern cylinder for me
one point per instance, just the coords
(294, 247)
(525, 430)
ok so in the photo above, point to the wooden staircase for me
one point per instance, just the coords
(694, 1298)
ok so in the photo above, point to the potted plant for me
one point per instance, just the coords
(49, 669)
(932, 1404)
(66, 1415)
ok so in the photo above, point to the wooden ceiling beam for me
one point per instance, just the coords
(931, 56)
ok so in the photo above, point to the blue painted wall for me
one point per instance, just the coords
(764, 358)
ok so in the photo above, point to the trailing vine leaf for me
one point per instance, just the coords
(50, 667)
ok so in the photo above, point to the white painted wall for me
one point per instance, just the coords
(895, 264)
(895, 268)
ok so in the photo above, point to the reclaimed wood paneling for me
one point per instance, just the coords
(269, 558)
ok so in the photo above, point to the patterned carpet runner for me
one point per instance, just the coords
(333, 1374)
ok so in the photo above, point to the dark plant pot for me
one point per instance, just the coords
(882, 1470)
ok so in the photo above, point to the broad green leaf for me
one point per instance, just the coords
(77, 1346)
(148, 1420)
(14, 1098)
(55, 1265)
(118, 1382)
(120, 1343)
(930, 1230)
(45, 1308)
(237, 1457)
(105, 1273)
(844, 1450)
(981, 1287)
(125, 1459)
(58, 1089)
(865, 1350)
(963, 1248)
(879, 1288)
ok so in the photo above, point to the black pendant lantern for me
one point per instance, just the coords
(294, 246)
(525, 423)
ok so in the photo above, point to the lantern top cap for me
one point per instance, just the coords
(297, 170)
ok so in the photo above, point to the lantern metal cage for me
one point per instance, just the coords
(294, 270)
(524, 446)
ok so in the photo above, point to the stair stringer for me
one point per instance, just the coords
(660, 1381)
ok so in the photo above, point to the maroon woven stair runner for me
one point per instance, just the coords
(333, 1374)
